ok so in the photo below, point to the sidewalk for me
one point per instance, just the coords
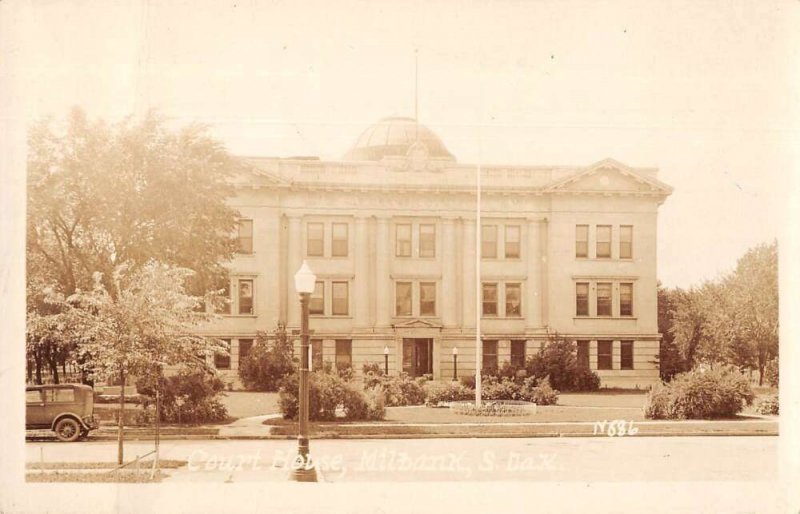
(277, 428)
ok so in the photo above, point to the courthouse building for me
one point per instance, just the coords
(390, 232)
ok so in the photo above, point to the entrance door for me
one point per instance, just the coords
(417, 356)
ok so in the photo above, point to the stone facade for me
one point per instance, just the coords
(405, 227)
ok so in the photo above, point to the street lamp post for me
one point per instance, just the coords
(303, 468)
(455, 363)
(386, 360)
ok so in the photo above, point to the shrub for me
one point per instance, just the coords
(443, 392)
(542, 394)
(269, 362)
(469, 380)
(372, 374)
(363, 404)
(326, 393)
(585, 380)
(503, 389)
(769, 406)
(700, 394)
(191, 396)
(555, 359)
(372, 367)
(508, 370)
(403, 390)
(656, 404)
(345, 372)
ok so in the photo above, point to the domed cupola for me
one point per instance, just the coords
(398, 138)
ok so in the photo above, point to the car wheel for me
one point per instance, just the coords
(68, 430)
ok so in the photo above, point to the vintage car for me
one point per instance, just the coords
(66, 409)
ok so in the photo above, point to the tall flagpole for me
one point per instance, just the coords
(478, 239)
(478, 286)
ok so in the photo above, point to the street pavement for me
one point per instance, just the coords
(600, 458)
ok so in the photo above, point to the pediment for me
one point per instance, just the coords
(418, 323)
(608, 176)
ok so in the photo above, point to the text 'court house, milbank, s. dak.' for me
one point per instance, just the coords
(390, 231)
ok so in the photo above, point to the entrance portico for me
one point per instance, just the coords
(417, 342)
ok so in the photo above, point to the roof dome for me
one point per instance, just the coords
(394, 137)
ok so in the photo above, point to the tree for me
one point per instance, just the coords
(669, 359)
(732, 320)
(751, 312)
(149, 323)
(102, 196)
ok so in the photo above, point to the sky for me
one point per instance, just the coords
(704, 91)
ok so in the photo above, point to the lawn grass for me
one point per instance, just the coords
(119, 476)
(245, 404)
(162, 463)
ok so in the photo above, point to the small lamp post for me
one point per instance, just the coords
(302, 467)
(455, 363)
(386, 360)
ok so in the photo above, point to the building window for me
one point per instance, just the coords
(581, 240)
(603, 241)
(626, 354)
(402, 240)
(427, 240)
(489, 356)
(223, 360)
(583, 354)
(316, 303)
(518, 353)
(626, 242)
(344, 354)
(245, 346)
(427, 298)
(316, 354)
(489, 242)
(315, 240)
(513, 300)
(604, 299)
(582, 299)
(626, 299)
(246, 296)
(339, 239)
(245, 236)
(490, 299)
(512, 242)
(340, 299)
(402, 299)
(604, 355)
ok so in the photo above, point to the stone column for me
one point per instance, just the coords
(294, 261)
(361, 286)
(383, 256)
(544, 235)
(533, 262)
(468, 275)
(449, 268)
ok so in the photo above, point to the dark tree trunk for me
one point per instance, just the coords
(38, 363)
(54, 370)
